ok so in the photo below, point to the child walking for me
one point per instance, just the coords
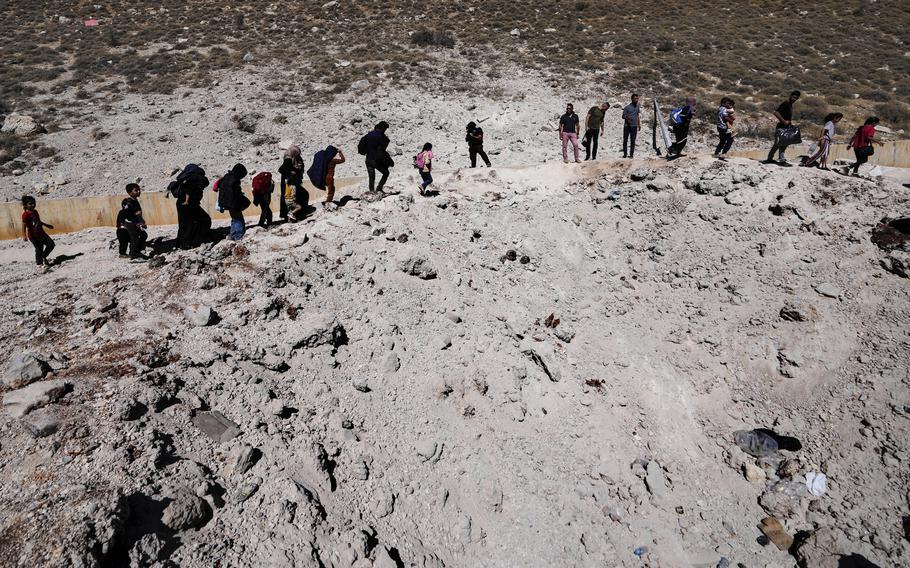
(424, 163)
(725, 119)
(130, 224)
(33, 230)
(263, 186)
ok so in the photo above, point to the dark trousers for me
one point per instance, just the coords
(43, 246)
(372, 168)
(591, 135)
(725, 141)
(629, 134)
(681, 132)
(193, 225)
(862, 156)
(265, 207)
(427, 179)
(778, 147)
(132, 236)
(475, 151)
(283, 200)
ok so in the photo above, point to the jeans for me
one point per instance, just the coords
(43, 246)
(132, 236)
(372, 167)
(725, 142)
(681, 133)
(238, 225)
(566, 137)
(629, 134)
(427, 179)
(283, 199)
(475, 151)
(592, 134)
(778, 147)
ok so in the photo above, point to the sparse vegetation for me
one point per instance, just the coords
(425, 38)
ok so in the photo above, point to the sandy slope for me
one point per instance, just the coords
(406, 421)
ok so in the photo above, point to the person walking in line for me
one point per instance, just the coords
(820, 158)
(131, 225)
(33, 231)
(334, 160)
(631, 122)
(594, 127)
(784, 115)
(374, 147)
(680, 120)
(474, 138)
(232, 200)
(424, 164)
(725, 121)
(291, 171)
(193, 223)
(263, 187)
(568, 132)
(862, 142)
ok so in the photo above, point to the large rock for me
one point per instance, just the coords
(216, 426)
(21, 124)
(186, 511)
(23, 369)
(898, 262)
(40, 424)
(315, 329)
(825, 548)
(419, 266)
(200, 315)
(20, 402)
(786, 499)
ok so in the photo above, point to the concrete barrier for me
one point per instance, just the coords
(891, 154)
(78, 213)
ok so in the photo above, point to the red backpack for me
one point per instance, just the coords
(262, 183)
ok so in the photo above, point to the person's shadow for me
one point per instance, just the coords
(61, 258)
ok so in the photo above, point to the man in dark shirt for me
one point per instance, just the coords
(568, 131)
(594, 127)
(130, 224)
(784, 115)
(377, 156)
(474, 138)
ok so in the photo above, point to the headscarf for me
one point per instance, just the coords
(293, 154)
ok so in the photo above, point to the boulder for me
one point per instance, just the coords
(23, 369)
(20, 402)
(200, 315)
(186, 511)
(216, 426)
(21, 125)
(315, 329)
(419, 266)
(41, 424)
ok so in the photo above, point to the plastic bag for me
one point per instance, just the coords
(789, 136)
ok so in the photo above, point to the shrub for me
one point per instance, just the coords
(426, 38)
(893, 113)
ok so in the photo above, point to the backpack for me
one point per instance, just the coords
(192, 177)
(318, 169)
(676, 115)
(215, 185)
(362, 146)
(262, 183)
(419, 161)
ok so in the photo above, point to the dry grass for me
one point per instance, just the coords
(755, 51)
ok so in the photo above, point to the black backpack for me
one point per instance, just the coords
(362, 146)
(191, 178)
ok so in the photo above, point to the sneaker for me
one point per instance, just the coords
(123, 255)
(565, 161)
(420, 190)
(577, 161)
(42, 269)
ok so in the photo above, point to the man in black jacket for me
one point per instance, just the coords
(376, 145)
(232, 199)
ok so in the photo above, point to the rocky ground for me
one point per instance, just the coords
(539, 366)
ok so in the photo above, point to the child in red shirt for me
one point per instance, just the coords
(33, 230)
